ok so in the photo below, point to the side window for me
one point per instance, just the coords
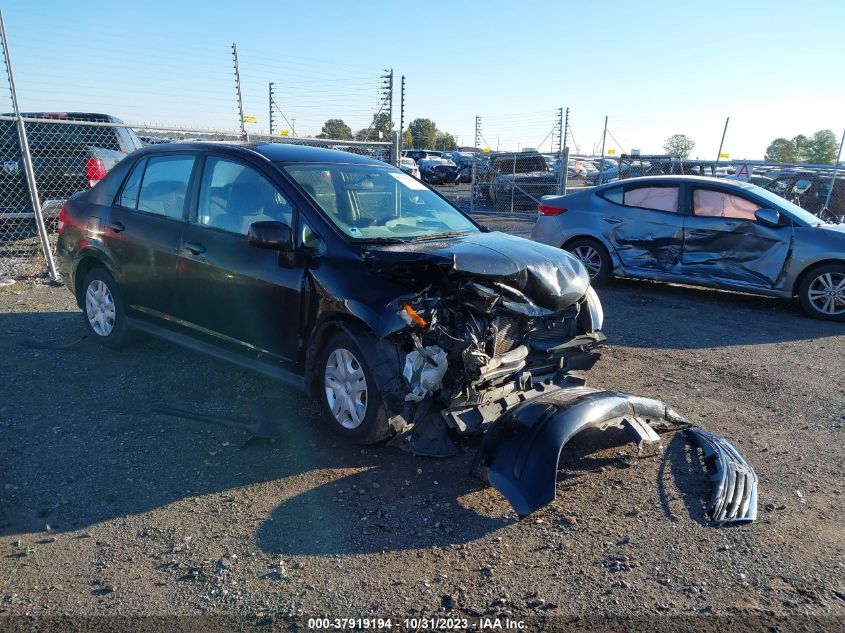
(129, 196)
(614, 195)
(658, 198)
(165, 184)
(234, 195)
(718, 204)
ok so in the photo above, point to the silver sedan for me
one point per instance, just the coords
(706, 231)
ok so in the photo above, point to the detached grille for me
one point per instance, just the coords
(509, 333)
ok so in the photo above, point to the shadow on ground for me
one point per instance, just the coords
(94, 451)
(658, 315)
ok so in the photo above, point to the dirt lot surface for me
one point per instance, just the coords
(107, 508)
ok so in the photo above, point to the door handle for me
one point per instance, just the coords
(194, 248)
(117, 227)
(612, 220)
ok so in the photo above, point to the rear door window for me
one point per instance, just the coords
(657, 198)
(165, 184)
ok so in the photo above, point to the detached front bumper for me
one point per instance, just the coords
(519, 453)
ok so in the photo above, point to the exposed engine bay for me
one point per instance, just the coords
(502, 349)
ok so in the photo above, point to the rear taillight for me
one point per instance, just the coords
(96, 170)
(545, 209)
(62, 219)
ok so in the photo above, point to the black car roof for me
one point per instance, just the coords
(275, 152)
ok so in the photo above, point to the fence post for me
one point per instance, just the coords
(513, 181)
(394, 148)
(474, 184)
(832, 178)
(601, 162)
(722, 142)
(35, 198)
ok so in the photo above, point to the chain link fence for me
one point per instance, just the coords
(517, 180)
(819, 189)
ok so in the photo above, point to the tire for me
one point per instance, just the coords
(822, 292)
(594, 256)
(342, 359)
(103, 308)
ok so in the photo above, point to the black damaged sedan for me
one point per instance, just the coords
(333, 272)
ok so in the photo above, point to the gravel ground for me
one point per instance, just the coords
(109, 509)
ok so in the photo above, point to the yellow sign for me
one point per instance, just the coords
(611, 152)
(724, 155)
(250, 118)
(486, 150)
(284, 133)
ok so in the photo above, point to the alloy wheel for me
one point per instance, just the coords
(99, 308)
(590, 257)
(827, 293)
(346, 388)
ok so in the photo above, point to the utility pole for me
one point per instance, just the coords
(473, 191)
(401, 115)
(386, 93)
(271, 109)
(293, 127)
(238, 90)
(832, 178)
(603, 140)
(722, 143)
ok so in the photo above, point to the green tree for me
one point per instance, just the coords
(379, 129)
(445, 142)
(407, 139)
(336, 128)
(781, 150)
(424, 132)
(802, 146)
(822, 147)
(679, 145)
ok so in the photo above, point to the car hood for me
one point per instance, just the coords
(550, 277)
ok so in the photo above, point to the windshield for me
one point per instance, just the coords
(782, 203)
(371, 202)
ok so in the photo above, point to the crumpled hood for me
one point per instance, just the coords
(550, 277)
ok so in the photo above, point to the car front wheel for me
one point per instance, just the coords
(349, 397)
(822, 292)
(103, 309)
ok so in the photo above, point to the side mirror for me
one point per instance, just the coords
(768, 217)
(276, 236)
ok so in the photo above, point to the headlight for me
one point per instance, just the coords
(596, 311)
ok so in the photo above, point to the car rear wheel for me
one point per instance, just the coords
(594, 256)
(352, 406)
(103, 309)
(822, 292)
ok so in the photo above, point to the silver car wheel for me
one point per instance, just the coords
(99, 308)
(827, 293)
(346, 388)
(590, 257)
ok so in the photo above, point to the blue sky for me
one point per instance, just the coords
(654, 68)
